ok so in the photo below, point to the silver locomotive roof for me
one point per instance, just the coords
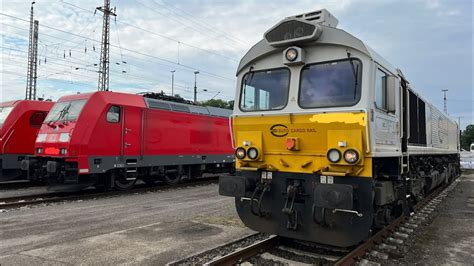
(308, 29)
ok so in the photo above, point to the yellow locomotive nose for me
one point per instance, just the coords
(332, 144)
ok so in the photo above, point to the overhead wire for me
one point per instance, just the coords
(160, 35)
(208, 73)
(141, 78)
(203, 24)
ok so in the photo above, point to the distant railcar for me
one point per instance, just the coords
(110, 139)
(332, 142)
(20, 122)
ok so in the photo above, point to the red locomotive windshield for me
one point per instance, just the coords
(4, 112)
(65, 111)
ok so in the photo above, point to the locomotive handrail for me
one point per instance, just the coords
(400, 117)
(367, 132)
(408, 114)
(231, 130)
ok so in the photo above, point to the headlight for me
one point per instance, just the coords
(291, 54)
(240, 153)
(39, 150)
(334, 155)
(351, 156)
(41, 137)
(64, 137)
(252, 153)
(63, 151)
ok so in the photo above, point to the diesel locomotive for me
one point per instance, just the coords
(331, 141)
(110, 140)
(20, 122)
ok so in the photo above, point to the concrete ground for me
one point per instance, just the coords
(449, 239)
(150, 228)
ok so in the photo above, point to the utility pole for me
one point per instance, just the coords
(459, 121)
(32, 58)
(195, 86)
(445, 101)
(172, 82)
(104, 52)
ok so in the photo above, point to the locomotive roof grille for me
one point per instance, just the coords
(185, 108)
(300, 28)
(322, 17)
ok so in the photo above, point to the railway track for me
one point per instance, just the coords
(54, 197)
(275, 250)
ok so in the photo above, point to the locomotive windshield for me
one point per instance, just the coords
(65, 111)
(330, 84)
(4, 112)
(265, 90)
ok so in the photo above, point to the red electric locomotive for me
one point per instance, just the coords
(19, 125)
(111, 139)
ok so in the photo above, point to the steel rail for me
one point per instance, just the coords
(245, 253)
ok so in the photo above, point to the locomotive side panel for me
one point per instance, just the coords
(441, 135)
(175, 133)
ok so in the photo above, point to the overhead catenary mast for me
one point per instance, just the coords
(105, 50)
(32, 58)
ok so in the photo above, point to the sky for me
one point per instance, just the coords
(431, 41)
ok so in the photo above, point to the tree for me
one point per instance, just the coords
(217, 103)
(467, 137)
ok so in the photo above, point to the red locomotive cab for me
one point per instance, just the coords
(54, 137)
(19, 125)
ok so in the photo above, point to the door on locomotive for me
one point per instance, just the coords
(132, 131)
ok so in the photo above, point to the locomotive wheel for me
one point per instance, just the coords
(172, 178)
(122, 183)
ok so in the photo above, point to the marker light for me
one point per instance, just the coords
(334, 155)
(290, 143)
(351, 156)
(240, 153)
(252, 153)
(63, 151)
(39, 150)
(291, 54)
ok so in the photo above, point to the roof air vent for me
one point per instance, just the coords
(300, 28)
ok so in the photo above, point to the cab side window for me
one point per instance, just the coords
(37, 119)
(113, 114)
(381, 89)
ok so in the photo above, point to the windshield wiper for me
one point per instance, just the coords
(250, 75)
(60, 115)
(355, 71)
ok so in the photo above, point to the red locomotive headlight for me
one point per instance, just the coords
(39, 150)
